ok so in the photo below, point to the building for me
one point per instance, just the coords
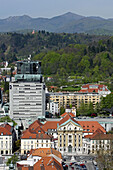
(69, 136)
(67, 98)
(6, 139)
(35, 137)
(99, 141)
(88, 93)
(42, 158)
(27, 92)
(98, 88)
(53, 107)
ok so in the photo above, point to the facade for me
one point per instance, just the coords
(64, 99)
(35, 137)
(6, 140)
(27, 92)
(88, 93)
(69, 136)
(53, 107)
(99, 142)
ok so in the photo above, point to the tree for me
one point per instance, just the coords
(12, 160)
(107, 102)
(62, 110)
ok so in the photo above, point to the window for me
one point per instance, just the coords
(6, 152)
(2, 152)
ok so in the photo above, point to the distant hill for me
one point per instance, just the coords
(68, 23)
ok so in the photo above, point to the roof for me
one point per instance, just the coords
(35, 124)
(37, 133)
(7, 126)
(99, 135)
(5, 131)
(50, 125)
(91, 126)
(93, 88)
(42, 152)
(64, 114)
(48, 163)
(66, 118)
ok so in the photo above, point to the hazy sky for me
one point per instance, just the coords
(51, 8)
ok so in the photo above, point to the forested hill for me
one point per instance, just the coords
(15, 46)
(62, 54)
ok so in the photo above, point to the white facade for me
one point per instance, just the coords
(5, 144)
(28, 144)
(27, 100)
(53, 107)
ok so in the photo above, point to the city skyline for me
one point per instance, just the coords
(52, 8)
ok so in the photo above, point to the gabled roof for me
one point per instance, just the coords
(67, 118)
(91, 126)
(64, 114)
(7, 126)
(48, 163)
(35, 124)
(4, 131)
(38, 133)
(99, 135)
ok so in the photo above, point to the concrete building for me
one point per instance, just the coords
(27, 92)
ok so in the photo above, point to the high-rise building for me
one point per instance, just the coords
(27, 92)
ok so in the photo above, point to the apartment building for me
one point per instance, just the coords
(88, 93)
(64, 99)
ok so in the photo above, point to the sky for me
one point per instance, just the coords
(51, 8)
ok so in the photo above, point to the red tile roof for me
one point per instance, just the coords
(50, 125)
(38, 133)
(66, 118)
(90, 88)
(48, 163)
(91, 126)
(35, 124)
(64, 114)
(42, 152)
(99, 135)
(7, 126)
(4, 131)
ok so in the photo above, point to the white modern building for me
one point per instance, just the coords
(27, 93)
(53, 107)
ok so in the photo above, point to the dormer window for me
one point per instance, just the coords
(1, 133)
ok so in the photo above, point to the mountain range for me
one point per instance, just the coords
(68, 23)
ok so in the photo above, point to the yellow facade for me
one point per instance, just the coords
(70, 137)
(64, 99)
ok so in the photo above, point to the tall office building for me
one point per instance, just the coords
(27, 92)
